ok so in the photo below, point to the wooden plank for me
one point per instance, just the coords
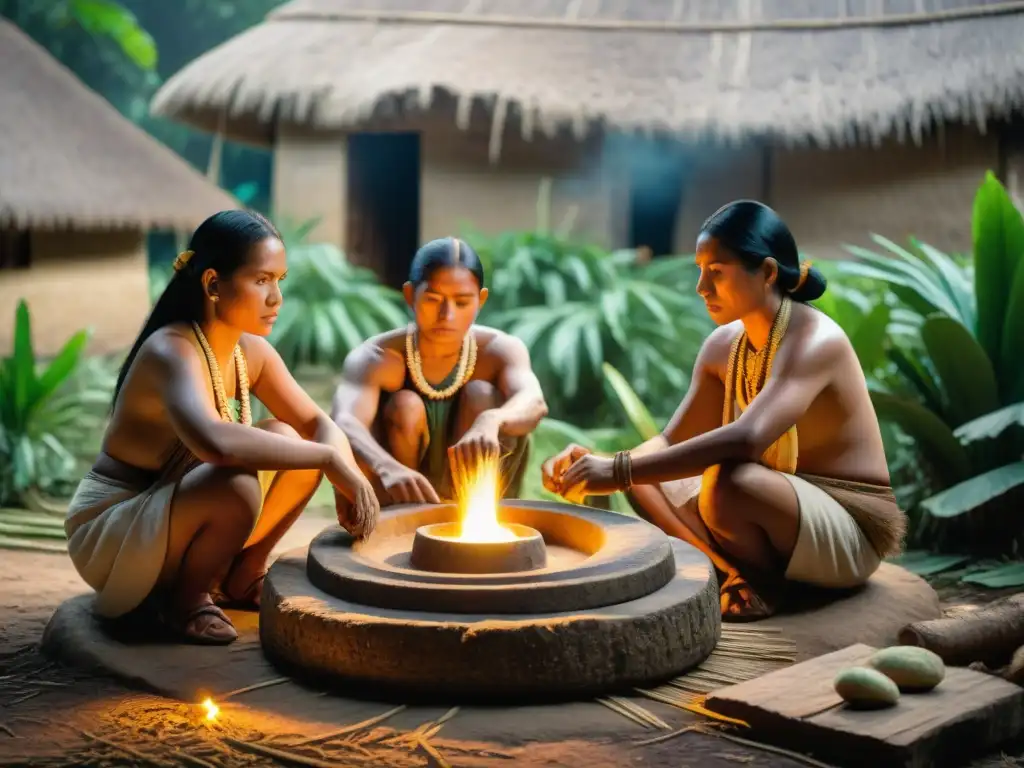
(968, 714)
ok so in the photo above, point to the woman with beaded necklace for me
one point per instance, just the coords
(178, 515)
(421, 402)
(773, 463)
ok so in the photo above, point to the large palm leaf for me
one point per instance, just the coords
(330, 307)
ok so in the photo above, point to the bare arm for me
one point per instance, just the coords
(800, 373)
(277, 389)
(700, 411)
(524, 404)
(212, 440)
(701, 408)
(356, 401)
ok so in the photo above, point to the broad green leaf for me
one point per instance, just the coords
(1009, 366)
(564, 349)
(869, 338)
(958, 283)
(634, 409)
(998, 236)
(898, 273)
(973, 493)
(927, 564)
(932, 436)
(1000, 577)
(63, 365)
(930, 273)
(595, 348)
(918, 377)
(111, 19)
(991, 425)
(965, 371)
(23, 360)
(613, 308)
(350, 335)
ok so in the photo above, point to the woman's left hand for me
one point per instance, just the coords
(590, 475)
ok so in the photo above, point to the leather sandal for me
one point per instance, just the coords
(218, 630)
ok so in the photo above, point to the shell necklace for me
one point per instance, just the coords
(467, 362)
(220, 396)
(751, 371)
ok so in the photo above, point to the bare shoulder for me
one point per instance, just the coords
(378, 360)
(714, 352)
(505, 346)
(816, 339)
(257, 349)
(168, 347)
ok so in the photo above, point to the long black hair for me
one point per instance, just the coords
(754, 232)
(445, 252)
(221, 243)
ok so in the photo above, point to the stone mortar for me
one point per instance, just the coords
(572, 650)
(621, 558)
(437, 548)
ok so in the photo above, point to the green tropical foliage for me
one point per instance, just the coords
(100, 18)
(46, 412)
(330, 307)
(947, 376)
(579, 306)
(553, 435)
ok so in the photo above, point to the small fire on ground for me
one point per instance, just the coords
(478, 505)
(212, 710)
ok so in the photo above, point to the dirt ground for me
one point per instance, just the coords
(52, 716)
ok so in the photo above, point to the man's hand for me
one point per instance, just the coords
(407, 486)
(478, 444)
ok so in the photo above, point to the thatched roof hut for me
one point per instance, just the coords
(835, 71)
(68, 158)
(79, 186)
(823, 109)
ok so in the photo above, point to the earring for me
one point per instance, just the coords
(215, 298)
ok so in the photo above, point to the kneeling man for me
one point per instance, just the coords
(441, 395)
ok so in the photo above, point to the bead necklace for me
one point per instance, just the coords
(467, 362)
(220, 396)
(751, 370)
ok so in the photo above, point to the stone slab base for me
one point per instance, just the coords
(892, 598)
(188, 673)
(640, 642)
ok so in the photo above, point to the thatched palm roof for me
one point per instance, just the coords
(69, 158)
(836, 71)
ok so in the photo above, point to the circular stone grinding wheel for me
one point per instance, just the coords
(639, 641)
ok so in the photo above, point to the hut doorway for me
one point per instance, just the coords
(657, 177)
(384, 202)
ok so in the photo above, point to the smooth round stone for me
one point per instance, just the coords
(866, 688)
(438, 548)
(912, 668)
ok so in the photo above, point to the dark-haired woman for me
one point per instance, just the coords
(773, 463)
(442, 393)
(187, 498)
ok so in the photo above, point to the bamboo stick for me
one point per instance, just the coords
(351, 728)
(254, 687)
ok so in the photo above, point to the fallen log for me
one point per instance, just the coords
(989, 635)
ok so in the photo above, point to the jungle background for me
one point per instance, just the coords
(613, 335)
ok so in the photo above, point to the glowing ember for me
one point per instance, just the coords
(478, 505)
(212, 710)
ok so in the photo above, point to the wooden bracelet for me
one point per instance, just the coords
(622, 470)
